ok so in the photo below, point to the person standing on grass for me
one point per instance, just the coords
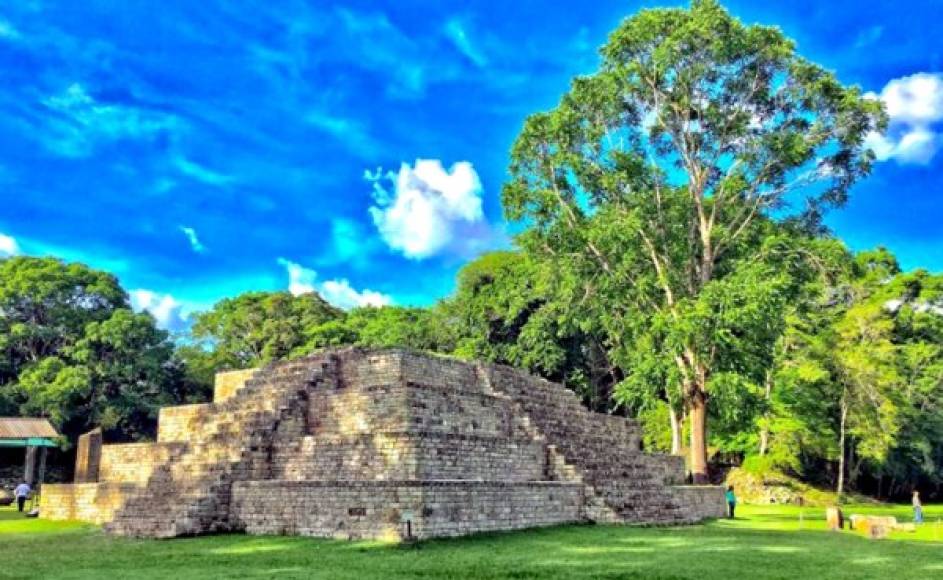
(731, 502)
(22, 493)
(918, 508)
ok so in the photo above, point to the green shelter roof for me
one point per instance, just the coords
(27, 432)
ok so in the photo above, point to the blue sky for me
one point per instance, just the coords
(200, 150)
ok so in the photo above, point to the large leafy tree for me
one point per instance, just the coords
(116, 376)
(258, 327)
(45, 305)
(652, 175)
(73, 351)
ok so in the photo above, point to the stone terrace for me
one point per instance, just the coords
(356, 443)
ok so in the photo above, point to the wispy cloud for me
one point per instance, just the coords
(8, 246)
(378, 45)
(869, 36)
(194, 240)
(8, 31)
(78, 123)
(339, 292)
(914, 106)
(351, 133)
(201, 173)
(350, 245)
(455, 31)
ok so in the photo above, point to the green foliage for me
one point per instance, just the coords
(255, 328)
(512, 309)
(864, 359)
(388, 326)
(655, 184)
(45, 305)
(75, 353)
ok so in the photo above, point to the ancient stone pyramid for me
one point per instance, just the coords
(360, 443)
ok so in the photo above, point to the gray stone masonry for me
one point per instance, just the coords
(355, 443)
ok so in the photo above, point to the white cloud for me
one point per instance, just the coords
(914, 106)
(80, 123)
(338, 292)
(193, 239)
(300, 279)
(430, 208)
(341, 294)
(165, 309)
(8, 246)
(917, 99)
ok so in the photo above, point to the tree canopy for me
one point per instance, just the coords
(670, 178)
(74, 351)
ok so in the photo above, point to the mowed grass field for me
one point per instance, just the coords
(764, 542)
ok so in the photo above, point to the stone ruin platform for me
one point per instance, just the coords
(356, 443)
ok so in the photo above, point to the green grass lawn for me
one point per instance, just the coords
(764, 542)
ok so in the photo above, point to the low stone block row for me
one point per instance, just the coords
(381, 510)
(136, 462)
(95, 503)
(410, 455)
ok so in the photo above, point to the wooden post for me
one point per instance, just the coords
(29, 467)
(42, 472)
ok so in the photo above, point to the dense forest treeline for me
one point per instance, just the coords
(858, 363)
(672, 265)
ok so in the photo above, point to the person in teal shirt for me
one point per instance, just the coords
(731, 501)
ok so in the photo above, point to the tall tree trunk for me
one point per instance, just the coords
(764, 426)
(840, 488)
(677, 425)
(699, 437)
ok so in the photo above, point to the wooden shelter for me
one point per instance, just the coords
(33, 434)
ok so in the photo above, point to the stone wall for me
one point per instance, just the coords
(702, 501)
(227, 383)
(177, 423)
(136, 462)
(351, 510)
(95, 503)
(403, 456)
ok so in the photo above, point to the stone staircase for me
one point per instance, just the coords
(602, 451)
(190, 494)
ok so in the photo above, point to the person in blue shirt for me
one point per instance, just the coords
(918, 508)
(731, 502)
(22, 494)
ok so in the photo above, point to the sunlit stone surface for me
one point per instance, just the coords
(383, 444)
